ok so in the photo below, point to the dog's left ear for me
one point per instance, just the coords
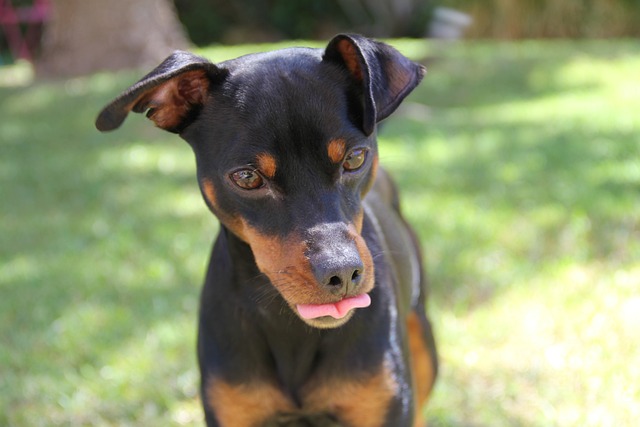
(385, 76)
(172, 94)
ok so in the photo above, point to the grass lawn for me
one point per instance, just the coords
(520, 168)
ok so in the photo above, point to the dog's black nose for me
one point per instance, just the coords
(334, 257)
(340, 276)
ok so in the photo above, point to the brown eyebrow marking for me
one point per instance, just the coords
(336, 149)
(267, 164)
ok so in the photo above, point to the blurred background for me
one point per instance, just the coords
(518, 158)
(47, 29)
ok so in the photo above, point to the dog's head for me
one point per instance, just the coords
(285, 150)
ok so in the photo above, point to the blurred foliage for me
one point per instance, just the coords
(212, 21)
(515, 19)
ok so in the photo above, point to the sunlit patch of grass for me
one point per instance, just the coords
(16, 75)
(552, 350)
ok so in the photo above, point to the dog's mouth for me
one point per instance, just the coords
(332, 315)
(337, 310)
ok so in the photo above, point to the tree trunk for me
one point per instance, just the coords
(84, 36)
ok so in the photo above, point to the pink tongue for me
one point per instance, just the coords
(337, 310)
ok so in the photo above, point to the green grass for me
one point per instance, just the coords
(520, 168)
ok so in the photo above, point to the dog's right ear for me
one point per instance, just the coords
(384, 75)
(172, 94)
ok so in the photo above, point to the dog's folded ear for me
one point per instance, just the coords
(385, 76)
(172, 94)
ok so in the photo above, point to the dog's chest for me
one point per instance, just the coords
(362, 401)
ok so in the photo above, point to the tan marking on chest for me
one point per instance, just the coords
(246, 405)
(362, 402)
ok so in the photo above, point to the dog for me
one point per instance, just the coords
(313, 307)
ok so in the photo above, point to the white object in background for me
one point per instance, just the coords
(448, 23)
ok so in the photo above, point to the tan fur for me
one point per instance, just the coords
(209, 192)
(245, 405)
(336, 150)
(421, 365)
(351, 58)
(267, 165)
(170, 102)
(358, 402)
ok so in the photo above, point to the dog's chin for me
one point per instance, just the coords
(328, 322)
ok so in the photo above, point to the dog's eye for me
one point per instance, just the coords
(247, 179)
(355, 159)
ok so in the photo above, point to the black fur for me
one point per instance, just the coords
(289, 105)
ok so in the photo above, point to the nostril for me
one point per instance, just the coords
(335, 281)
(355, 276)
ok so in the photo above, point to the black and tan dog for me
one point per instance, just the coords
(312, 312)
